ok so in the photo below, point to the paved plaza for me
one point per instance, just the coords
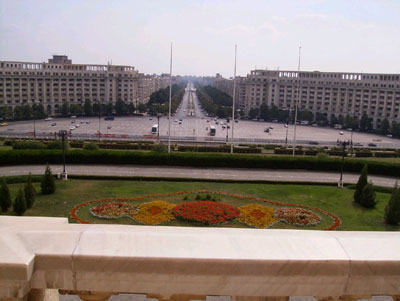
(190, 123)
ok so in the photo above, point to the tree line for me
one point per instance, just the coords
(159, 100)
(214, 101)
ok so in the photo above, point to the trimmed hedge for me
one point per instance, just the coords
(319, 163)
(220, 149)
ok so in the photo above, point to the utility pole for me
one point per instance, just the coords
(169, 108)
(296, 103)
(233, 104)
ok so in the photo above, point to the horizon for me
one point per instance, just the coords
(345, 36)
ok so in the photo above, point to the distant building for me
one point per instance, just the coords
(337, 93)
(59, 80)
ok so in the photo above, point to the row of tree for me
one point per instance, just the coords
(216, 103)
(25, 196)
(23, 112)
(159, 100)
(364, 124)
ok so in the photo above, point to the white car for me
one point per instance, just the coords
(48, 119)
(72, 128)
(341, 133)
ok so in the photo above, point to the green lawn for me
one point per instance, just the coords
(335, 200)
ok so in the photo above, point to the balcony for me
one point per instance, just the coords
(39, 255)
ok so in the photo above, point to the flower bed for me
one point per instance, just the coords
(334, 226)
(154, 213)
(113, 210)
(257, 216)
(206, 212)
(297, 216)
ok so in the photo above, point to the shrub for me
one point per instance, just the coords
(185, 198)
(368, 197)
(392, 209)
(48, 184)
(28, 145)
(160, 148)
(19, 203)
(198, 197)
(5, 200)
(362, 181)
(90, 146)
(56, 144)
(29, 192)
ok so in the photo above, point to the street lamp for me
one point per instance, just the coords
(158, 126)
(63, 134)
(343, 144)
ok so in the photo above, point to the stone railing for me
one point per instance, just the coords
(40, 257)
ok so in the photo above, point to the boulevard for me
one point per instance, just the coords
(190, 123)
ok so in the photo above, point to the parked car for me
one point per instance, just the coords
(313, 143)
(372, 144)
(53, 124)
(341, 133)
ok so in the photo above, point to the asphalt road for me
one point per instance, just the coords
(198, 173)
(195, 126)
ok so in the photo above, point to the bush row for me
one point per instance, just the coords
(17, 157)
(220, 149)
(335, 152)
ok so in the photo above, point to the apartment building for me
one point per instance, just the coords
(60, 80)
(338, 93)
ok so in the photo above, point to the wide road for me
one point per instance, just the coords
(190, 123)
(198, 173)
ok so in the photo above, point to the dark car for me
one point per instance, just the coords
(313, 143)
(372, 144)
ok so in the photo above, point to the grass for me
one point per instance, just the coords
(337, 201)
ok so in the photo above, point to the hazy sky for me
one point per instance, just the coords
(335, 35)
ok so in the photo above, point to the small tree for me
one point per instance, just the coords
(392, 209)
(368, 197)
(30, 192)
(362, 181)
(5, 200)
(20, 203)
(48, 184)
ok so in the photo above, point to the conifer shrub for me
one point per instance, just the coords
(362, 181)
(30, 192)
(48, 184)
(368, 197)
(392, 209)
(19, 203)
(5, 199)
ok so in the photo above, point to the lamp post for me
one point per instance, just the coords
(158, 127)
(63, 134)
(343, 144)
(34, 128)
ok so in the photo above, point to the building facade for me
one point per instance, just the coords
(226, 85)
(58, 80)
(329, 93)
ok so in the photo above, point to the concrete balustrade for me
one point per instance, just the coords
(39, 256)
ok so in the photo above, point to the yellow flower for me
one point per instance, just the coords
(154, 213)
(257, 216)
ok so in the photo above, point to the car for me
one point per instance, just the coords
(78, 125)
(228, 127)
(176, 120)
(275, 120)
(221, 123)
(87, 122)
(180, 122)
(72, 128)
(349, 129)
(313, 143)
(150, 118)
(271, 127)
(53, 124)
(341, 133)
(223, 126)
(208, 120)
(236, 121)
(260, 119)
(4, 124)
(82, 121)
(372, 144)
(72, 121)
(48, 119)
(357, 144)
(73, 116)
(109, 127)
(285, 125)
(266, 130)
(389, 136)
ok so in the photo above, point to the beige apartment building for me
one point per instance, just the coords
(59, 80)
(338, 93)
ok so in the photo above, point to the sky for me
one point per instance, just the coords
(334, 35)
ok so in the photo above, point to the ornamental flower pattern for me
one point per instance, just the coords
(154, 213)
(334, 226)
(298, 216)
(206, 212)
(113, 210)
(258, 216)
